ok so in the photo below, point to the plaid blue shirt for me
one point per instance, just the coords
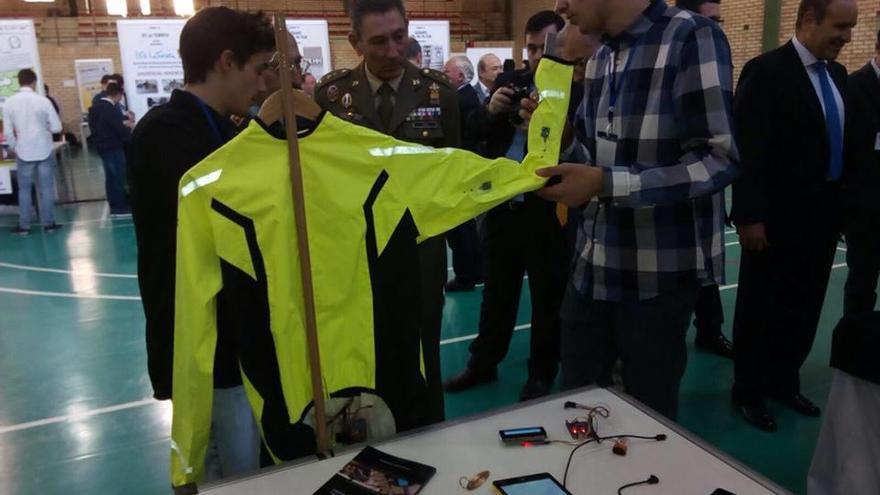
(659, 222)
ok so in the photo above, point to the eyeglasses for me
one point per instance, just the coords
(298, 64)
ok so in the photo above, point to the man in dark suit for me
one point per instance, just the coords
(388, 94)
(790, 115)
(488, 69)
(464, 240)
(862, 182)
(520, 236)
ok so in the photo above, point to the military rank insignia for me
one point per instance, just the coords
(434, 91)
(333, 93)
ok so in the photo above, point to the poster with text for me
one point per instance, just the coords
(151, 64)
(313, 39)
(434, 38)
(18, 50)
(6, 178)
(475, 54)
(88, 79)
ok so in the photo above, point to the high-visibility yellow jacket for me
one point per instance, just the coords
(368, 199)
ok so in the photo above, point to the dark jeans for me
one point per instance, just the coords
(648, 336)
(466, 257)
(114, 180)
(708, 313)
(520, 238)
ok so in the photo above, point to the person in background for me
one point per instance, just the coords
(309, 84)
(111, 132)
(488, 69)
(708, 312)
(519, 236)
(57, 136)
(225, 54)
(790, 110)
(862, 214)
(272, 80)
(105, 80)
(464, 242)
(414, 52)
(29, 121)
(649, 168)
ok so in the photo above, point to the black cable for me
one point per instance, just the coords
(653, 480)
(660, 437)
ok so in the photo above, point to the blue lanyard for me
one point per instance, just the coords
(615, 85)
(211, 122)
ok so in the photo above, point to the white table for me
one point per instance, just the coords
(684, 464)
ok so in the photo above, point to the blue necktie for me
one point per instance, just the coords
(832, 123)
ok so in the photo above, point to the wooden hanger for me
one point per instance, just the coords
(273, 108)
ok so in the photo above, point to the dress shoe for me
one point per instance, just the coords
(799, 404)
(458, 285)
(469, 378)
(718, 345)
(756, 414)
(534, 388)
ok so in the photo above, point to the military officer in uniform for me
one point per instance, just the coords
(387, 93)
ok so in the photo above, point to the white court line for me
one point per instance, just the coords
(75, 222)
(69, 295)
(473, 336)
(841, 249)
(77, 416)
(69, 272)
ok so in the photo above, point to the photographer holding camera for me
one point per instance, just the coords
(520, 236)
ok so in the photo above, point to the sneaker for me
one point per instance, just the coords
(52, 228)
(20, 231)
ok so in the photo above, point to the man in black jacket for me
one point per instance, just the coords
(862, 214)
(520, 236)
(111, 131)
(464, 242)
(790, 115)
(224, 53)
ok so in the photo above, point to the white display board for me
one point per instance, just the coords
(5, 179)
(88, 79)
(474, 54)
(18, 50)
(151, 64)
(434, 38)
(313, 39)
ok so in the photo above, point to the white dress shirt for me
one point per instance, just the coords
(809, 60)
(29, 120)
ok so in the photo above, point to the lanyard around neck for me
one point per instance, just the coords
(215, 129)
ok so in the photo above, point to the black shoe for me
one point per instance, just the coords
(52, 228)
(458, 285)
(20, 231)
(718, 345)
(534, 388)
(756, 414)
(799, 404)
(468, 379)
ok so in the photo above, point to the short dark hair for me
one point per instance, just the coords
(541, 20)
(105, 78)
(26, 77)
(117, 78)
(113, 89)
(359, 8)
(693, 5)
(213, 30)
(413, 49)
(819, 8)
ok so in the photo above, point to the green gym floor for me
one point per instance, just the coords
(76, 414)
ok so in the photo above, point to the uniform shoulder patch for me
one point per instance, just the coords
(333, 76)
(438, 76)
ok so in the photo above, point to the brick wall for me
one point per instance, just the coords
(744, 27)
(855, 54)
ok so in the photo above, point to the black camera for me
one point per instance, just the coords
(519, 93)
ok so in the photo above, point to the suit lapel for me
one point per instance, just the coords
(872, 85)
(802, 81)
(362, 96)
(408, 94)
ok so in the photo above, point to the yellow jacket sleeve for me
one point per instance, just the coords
(198, 281)
(446, 187)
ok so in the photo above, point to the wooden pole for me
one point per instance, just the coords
(302, 237)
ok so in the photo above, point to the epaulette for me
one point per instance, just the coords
(333, 76)
(437, 76)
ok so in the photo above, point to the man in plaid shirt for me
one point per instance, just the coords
(655, 127)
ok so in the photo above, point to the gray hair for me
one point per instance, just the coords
(464, 64)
